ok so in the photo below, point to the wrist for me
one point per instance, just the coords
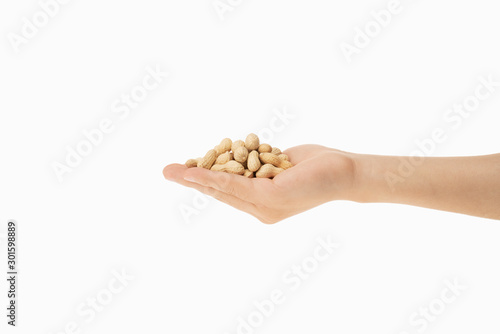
(352, 183)
(368, 178)
(358, 193)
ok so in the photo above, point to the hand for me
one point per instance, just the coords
(319, 175)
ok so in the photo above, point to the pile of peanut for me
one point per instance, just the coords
(248, 158)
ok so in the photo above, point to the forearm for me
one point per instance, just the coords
(469, 185)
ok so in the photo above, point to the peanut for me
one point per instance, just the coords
(269, 158)
(265, 148)
(224, 146)
(268, 171)
(191, 163)
(232, 167)
(248, 158)
(223, 158)
(253, 162)
(252, 142)
(208, 160)
(236, 144)
(283, 157)
(248, 174)
(241, 154)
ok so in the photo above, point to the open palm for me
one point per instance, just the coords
(319, 175)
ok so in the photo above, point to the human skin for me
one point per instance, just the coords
(468, 185)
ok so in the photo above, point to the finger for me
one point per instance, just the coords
(302, 152)
(231, 184)
(233, 201)
(175, 172)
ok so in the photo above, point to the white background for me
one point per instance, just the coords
(115, 211)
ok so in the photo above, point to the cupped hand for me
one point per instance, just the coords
(319, 175)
